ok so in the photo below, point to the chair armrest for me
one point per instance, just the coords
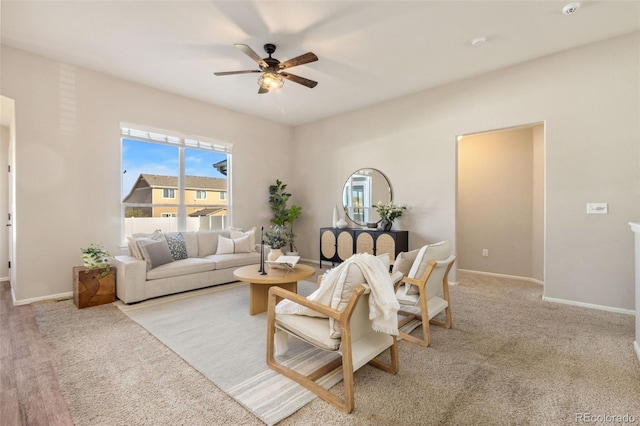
(412, 281)
(396, 279)
(275, 292)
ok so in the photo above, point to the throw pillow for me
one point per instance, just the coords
(238, 233)
(229, 246)
(156, 253)
(353, 277)
(404, 261)
(177, 246)
(437, 251)
(134, 249)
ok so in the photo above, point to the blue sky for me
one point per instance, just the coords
(143, 157)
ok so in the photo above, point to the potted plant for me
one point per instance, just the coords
(277, 237)
(96, 257)
(283, 215)
(388, 213)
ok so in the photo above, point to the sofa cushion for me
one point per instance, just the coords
(238, 233)
(208, 241)
(223, 261)
(134, 249)
(177, 245)
(155, 253)
(191, 241)
(190, 265)
(236, 245)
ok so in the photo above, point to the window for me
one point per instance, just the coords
(166, 178)
(223, 195)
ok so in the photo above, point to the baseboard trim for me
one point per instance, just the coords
(60, 296)
(554, 300)
(512, 277)
(637, 348)
(590, 306)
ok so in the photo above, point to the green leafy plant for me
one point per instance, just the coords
(277, 237)
(283, 215)
(96, 257)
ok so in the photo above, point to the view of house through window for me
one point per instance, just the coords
(173, 183)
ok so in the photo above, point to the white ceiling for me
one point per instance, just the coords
(369, 51)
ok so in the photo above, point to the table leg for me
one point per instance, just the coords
(259, 295)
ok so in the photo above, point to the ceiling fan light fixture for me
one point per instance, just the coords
(271, 81)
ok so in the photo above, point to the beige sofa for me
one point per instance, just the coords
(210, 259)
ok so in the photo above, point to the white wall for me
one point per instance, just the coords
(495, 202)
(588, 99)
(68, 160)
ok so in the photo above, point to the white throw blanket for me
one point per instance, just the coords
(383, 305)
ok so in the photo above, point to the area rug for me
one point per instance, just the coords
(212, 330)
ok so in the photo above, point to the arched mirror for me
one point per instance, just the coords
(362, 190)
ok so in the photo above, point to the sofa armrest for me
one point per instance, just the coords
(131, 276)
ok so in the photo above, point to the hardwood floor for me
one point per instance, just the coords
(29, 392)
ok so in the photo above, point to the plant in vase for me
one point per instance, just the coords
(277, 237)
(96, 257)
(283, 215)
(388, 213)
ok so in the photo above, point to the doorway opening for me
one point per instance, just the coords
(7, 141)
(500, 202)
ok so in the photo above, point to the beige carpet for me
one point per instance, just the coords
(510, 359)
(211, 329)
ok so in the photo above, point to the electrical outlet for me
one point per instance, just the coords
(485, 252)
(597, 208)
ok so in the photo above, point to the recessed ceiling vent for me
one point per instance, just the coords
(571, 8)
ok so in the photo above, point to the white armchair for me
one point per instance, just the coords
(423, 292)
(344, 328)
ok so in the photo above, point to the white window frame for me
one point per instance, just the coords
(203, 192)
(172, 193)
(182, 142)
(223, 195)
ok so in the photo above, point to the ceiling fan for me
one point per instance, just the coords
(272, 69)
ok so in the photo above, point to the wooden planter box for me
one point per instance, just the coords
(93, 287)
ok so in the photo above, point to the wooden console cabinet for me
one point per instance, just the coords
(337, 245)
(93, 287)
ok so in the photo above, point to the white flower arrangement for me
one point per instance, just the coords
(389, 211)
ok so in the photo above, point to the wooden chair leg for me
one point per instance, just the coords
(394, 363)
(447, 322)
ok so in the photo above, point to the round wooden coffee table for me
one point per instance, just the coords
(259, 285)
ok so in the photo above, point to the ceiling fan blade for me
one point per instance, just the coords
(262, 90)
(252, 54)
(235, 72)
(298, 60)
(300, 80)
